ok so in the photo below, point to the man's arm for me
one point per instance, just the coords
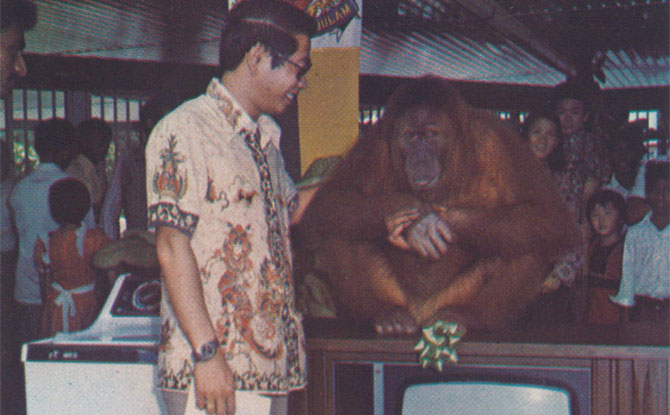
(213, 378)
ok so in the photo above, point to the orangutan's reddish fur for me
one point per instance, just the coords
(509, 219)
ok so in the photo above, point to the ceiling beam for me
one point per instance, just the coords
(497, 18)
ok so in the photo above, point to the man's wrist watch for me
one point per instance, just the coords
(206, 351)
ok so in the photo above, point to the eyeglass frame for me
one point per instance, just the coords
(302, 70)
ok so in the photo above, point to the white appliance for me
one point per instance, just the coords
(108, 368)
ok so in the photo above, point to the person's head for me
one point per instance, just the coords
(16, 16)
(94, 136)
(625, 149)
(155, 108)
(69, 201)
(571, 107)
(606, 211)
(269, 40)
(657, 187)
(55, 142)
(541, 130)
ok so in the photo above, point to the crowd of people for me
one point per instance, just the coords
(64, 211)
(619, 198)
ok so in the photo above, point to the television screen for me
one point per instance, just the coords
(484, 398)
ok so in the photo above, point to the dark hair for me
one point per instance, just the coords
(271, 23)
(631, 134)
(21, 12)
(69, 201)
(556, 160)
(606, 196)
(655, 171)
(53, 136)
(573, 89)
(156, 107)
(94, 127)
(424, 92)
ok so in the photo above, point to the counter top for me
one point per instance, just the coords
(650, 341)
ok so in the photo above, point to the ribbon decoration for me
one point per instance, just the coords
(438, 342)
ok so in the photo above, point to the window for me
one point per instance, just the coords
(369, 116)
(504, 115)
(122, 113)
(26, 108)
(650, 115)
(649, 120)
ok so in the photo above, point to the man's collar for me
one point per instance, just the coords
(238, 118)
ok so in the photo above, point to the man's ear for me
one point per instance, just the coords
(254, 57)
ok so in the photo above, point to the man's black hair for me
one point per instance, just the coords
(93, 127)
(582, 91)
(270, 23)
(53, 136)
(156, 107)
(655, 171)
(21, 12)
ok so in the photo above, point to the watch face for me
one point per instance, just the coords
(207, 351)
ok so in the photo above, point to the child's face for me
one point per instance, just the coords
(572, 116)
(605, 219)
(658, 197)
(543, 137)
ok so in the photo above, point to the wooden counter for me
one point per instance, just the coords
(625, 368)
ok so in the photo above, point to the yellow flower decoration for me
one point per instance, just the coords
(438, 342)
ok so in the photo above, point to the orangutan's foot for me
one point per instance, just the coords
(395, 322)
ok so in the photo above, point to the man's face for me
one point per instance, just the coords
(12, 65)
(572, 115)
(281, 85)
(658, 197)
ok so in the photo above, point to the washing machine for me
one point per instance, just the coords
(108, 368)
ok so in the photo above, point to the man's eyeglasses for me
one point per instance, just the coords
(302, 70)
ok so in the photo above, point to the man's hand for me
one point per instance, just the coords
(214, 389)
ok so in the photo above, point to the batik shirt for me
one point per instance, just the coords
(217, 176)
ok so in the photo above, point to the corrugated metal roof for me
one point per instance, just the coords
(502, 41)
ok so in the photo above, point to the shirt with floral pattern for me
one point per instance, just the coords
(219, 177)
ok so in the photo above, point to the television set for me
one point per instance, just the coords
(376, 388)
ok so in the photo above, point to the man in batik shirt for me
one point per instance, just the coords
(221, 202)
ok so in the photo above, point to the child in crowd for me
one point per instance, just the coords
(64, 259)
(645, 280)
(606, 211)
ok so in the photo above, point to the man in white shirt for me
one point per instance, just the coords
(645, 277)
